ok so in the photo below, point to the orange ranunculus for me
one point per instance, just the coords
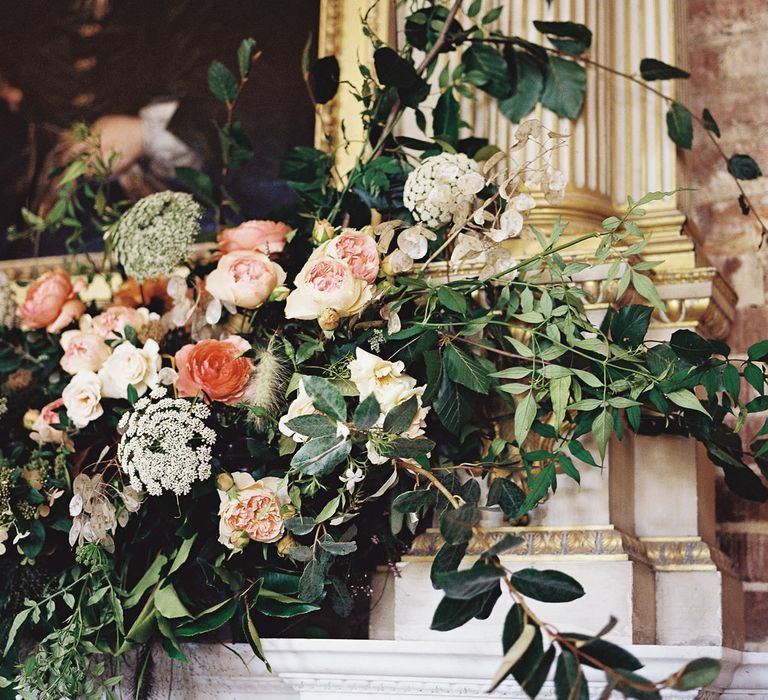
(268, 237)
(214, 367)
(50, 303)
(135, 294)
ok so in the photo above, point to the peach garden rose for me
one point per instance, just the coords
(42, 430)
(359, 251)
(51, 302)
(251, 510)
(113, 320)
(245, 279)
(83, 351)
(215, 367)
(268, 237)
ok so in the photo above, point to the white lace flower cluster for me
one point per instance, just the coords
(153, 237)
(7, 303)
(165, 443)
(440, 186)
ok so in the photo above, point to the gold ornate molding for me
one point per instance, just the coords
(587, 543)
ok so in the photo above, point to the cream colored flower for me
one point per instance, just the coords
(301, 406)
(385, 380)
(130, 365)
(82, 398)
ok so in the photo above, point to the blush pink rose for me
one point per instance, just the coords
(113, 320)
(50, 303)
(83, 351)
(215, 368)
(245, 279)
(267, 237)
(359, 251)
(41, 428)
(251, 509)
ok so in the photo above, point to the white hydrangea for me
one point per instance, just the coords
(153, 237)
(440, 186)
(165, 443)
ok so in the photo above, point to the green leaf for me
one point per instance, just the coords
(300, 525)
(743, 167)
(312, 425)
(445, 116)
(680, 125)
(400, 418)
(324, 79)
(198, 183)
(221, 82)
(697, 674)
(448, 558)
(452, 613)
(513, 655)
(565, 86)
(392, 69)
(709, 122)
(209, 620)
(182, 554)
(653, 69)
(602, 428)
(168, 603)
(150, 578)
(559, 392)
(686, 399)
(367, 413)
(412, 501)
(507, 494)
(326, 397)
(407, 448)
(490, 70)
(633, 691)
(312, 582)
(528, 87)
(338, 549)
(630, 324)
(609, 654)
(452, 300)
(570, 683)
(645, 288)
(506, 543)
(468, 583)
(456, 523)
(452, 404)
(328, 510)
(538, 487)
(759, 351)
(18, 621)
(547, 585)
(574, 37)
(320, 455)
(466, 369)
(525, 413)
(534, 679)
(33, 543)
(244, 54)
(732, 382)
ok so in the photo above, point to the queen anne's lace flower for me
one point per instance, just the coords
(7, 303)
(166, 444)
(440, 186)
(153, 237)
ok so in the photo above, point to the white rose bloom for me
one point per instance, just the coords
(385, 380)
(130, 365)
(301, 406)
(82, 398)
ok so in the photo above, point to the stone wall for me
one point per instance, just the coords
(728, 47)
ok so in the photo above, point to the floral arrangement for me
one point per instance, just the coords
(239, 433)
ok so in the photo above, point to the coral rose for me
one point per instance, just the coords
(268, 237)
(326, 283)
(83, 351)
(244, 279)
(214, 367)
(251, 510)
(359, 251)
(50, 303)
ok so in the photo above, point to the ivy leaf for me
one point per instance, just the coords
(528, 87)
(221, 82)
(326, 397)
(324, 79)
(548, 585)
(507, 495)
(564, 88)
(709, 122)
(653, 69)
(680, 125)
(572, 37)
(743, 167)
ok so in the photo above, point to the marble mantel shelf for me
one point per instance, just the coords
(311, 669)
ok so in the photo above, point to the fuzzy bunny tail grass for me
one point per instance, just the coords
(267, 386)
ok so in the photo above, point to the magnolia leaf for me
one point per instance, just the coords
(448, 558)
(456, 523)
(680, 125)
(515, 653)
(709, 122)
(413, 501)
(468, 583)
(570, 683)
(653, 69)
(324, 79)
(400, 418)
(743, 167)
(507, 495)
(392, 69)
(546, 585)
(697, 674)
(320, 455)
(572, 37)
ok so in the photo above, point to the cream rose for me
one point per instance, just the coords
(251, 510)
(82, 398)
(326, 283)
(244, 279)
(301, 406)
(83, 351)
(359, 251)
(385, 380)
(130, 365)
